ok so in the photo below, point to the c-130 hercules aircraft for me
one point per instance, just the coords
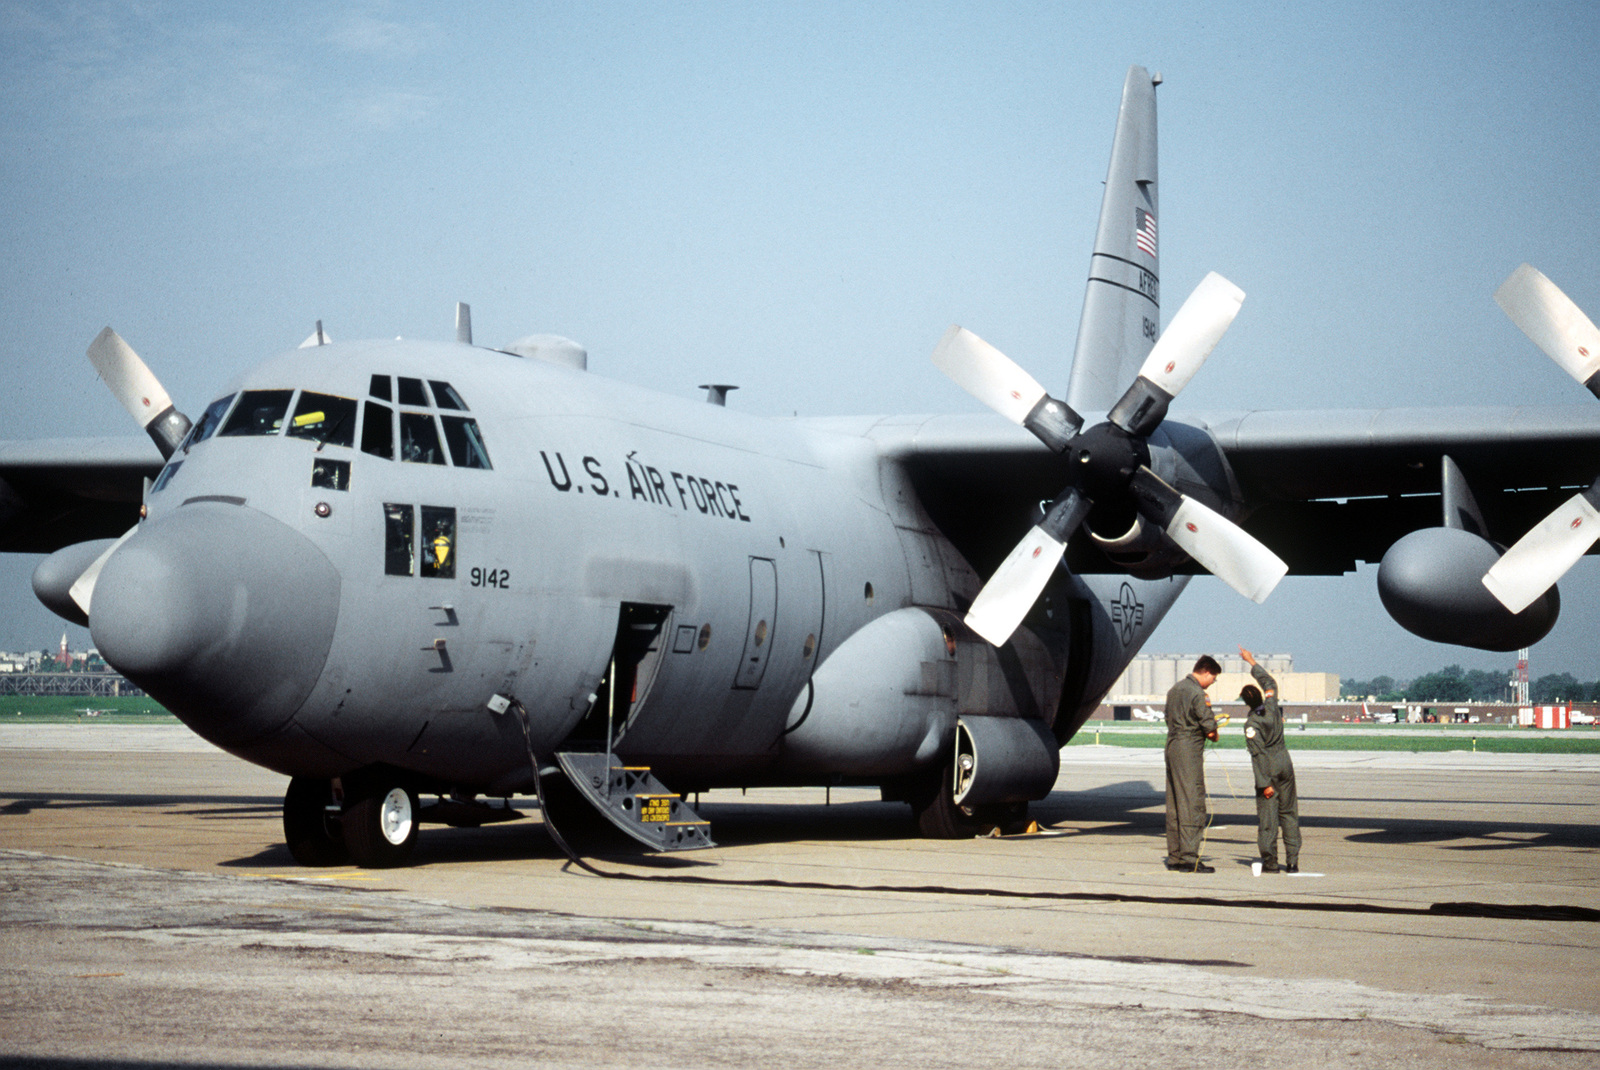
(399, 570)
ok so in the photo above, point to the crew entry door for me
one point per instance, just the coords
(758, 635)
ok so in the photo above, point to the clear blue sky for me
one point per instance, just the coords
(799, 199)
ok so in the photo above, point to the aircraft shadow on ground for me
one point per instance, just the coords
(22, 803)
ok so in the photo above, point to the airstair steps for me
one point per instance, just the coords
(636, 802)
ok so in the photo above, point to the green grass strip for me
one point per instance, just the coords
(1587, 743)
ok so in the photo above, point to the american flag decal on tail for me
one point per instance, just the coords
(1144, 234)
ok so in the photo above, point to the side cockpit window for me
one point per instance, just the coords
(399, 533)
(325, 418)
(259, 412)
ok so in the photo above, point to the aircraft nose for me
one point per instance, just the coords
(222, 614)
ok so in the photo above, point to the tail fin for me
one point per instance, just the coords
(1122, 303)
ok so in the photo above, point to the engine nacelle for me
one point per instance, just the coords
(55, 575)
(1431, 582)
(1004, 759)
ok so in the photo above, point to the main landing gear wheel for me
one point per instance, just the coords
(380, 826)
(312, 838)
(940, 817)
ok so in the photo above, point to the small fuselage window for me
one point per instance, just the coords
(259, 412)
(329, 420)
(329, 474)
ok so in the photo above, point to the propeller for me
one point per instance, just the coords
(1109, 460)
(139, 391)
(147, 401)
(1559, 327)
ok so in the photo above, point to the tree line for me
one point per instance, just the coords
(1455, 684)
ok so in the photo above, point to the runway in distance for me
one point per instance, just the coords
(420, 578)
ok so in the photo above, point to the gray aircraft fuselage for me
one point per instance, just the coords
(281, 620)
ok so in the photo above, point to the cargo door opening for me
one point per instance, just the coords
(630, 672)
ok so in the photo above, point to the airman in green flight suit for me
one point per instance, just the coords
(1277, 803)
(1189, 725)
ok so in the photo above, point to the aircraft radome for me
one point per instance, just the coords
(401, 571)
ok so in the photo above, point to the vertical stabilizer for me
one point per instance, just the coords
(1122, 303)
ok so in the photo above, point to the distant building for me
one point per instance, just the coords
(28, 661)
(1149, 676)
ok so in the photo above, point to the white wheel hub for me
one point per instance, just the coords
(394, 816)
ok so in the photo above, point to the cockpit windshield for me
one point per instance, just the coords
(328, 419)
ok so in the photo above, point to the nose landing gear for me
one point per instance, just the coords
(376, 827)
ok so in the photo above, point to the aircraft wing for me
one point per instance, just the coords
(1325, 489)
(56, 492)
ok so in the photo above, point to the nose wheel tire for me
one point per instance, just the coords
(312, 838)
(380, 826)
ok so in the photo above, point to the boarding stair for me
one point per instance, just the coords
(632, 799)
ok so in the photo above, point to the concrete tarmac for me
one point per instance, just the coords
(1448, 915)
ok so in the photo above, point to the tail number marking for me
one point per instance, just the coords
(491, 577)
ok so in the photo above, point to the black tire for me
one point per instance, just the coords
(312, 839)
(940, 818)
(380, 825)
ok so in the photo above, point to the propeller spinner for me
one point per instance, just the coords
(1559, 327)
(1109, 460)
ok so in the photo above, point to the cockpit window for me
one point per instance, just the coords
(466, 444)
(411, 392)
(260, 412)
(166, 476)
(446, 396)
(380, 387)
(419, 438)
(209, 421)
(328, 419)
(377, 431)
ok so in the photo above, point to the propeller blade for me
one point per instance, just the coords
(1180, 351)
(1226, 550)
(1220, 546)
(996, 380)
(1554, 323)
(1543, 555)
(82, 590)
(1015, 585)
(1193, 333)
(138, 390)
